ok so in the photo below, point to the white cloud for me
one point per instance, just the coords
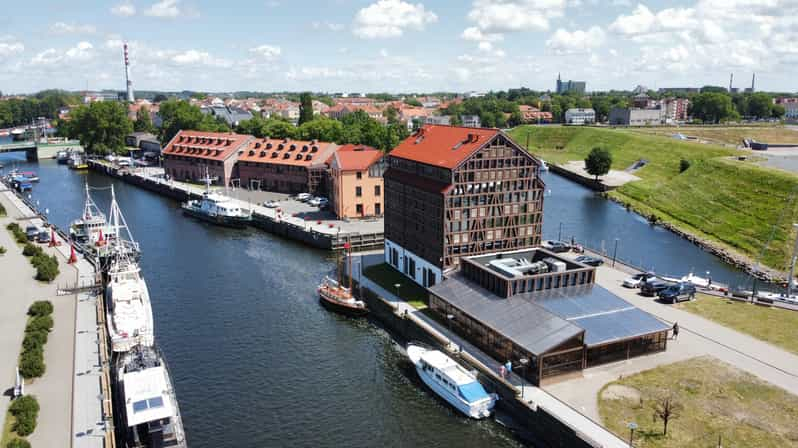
(124, 10)
(164, 9)
(46, 57)
(10, 49)
(389, 18)
(499, 16)
(475, 34)
(267, 52)
(643, 21)
(72, 28)
(199, 58)
(82, 52)
(335, 27)
(577, 41)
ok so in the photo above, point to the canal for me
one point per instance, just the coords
(257, 362)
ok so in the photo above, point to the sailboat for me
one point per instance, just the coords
(335, 297)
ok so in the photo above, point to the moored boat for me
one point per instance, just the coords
(92, 227)
(62, 157)
(217, 209)
(77, 161)
(335, 297)
(452, 382)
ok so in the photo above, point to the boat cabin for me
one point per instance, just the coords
(452, 376)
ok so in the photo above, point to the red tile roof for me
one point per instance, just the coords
(444, 146)
(356, 157)
(206, 145)
(287, 152)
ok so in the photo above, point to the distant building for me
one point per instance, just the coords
(580, 116)
(452, 192)
(679, 90)
(642, 101)
(628, 116)
(676, 109)
(285, 165)
(532, 114)
(471, 121)
(791, 110)
(577, 87)
(233, 116)
(190, 153)
(356, 184)
(438, 120)
(144, 141)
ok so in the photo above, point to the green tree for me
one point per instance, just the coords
(598, 162)
(178, 115)
(322, 129)
(25, 410)
(712, 107)
(101, 127)
(305, 108)
(778, 111)
(143, 121)
(760, 105)
(18, 443)
(412, 102)
(391, 114)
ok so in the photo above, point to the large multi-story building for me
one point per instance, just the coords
(356, 185)
(580, 116)
(791, 111)
(452, 192)
(629, 116)
(676, 109)
(284, 165)
(190, 153)
(577, 87)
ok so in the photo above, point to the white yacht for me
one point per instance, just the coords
(452, 382)
(146, 403)
(543, 165)
(128, 308)
(218, 209)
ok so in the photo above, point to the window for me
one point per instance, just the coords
(359, 175)
(358, 191)
(376, 190)
(377, 209)
(359, 208)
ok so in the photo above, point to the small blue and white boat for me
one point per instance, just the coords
(452, 382)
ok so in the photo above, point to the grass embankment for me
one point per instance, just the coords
(386, 276)
(774, 325)
(730, 135)
(715, 400)
(732, 203)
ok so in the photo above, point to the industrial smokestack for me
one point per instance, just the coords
(731, 81)
(753, 83)
(129, 83)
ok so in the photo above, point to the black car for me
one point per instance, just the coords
(556, 246)
(677, 293)
(589, 260)
(44, 236)
(652, 287)
(31, 232)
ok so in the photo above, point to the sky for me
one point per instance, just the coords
(397, 45)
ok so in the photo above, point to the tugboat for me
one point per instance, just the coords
(91, 227)
(217, 209)
(147, 410)
(336, 297)
(452, 382)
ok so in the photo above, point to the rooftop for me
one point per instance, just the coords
(146, 396)
(206, 145)
(444, 146)
(356, 157)
(287, 152)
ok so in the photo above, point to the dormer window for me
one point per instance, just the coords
(263, 153)
(299, 156)
(308, 157)
(280, 146)
(251, 152)
(286, 155)
(257, 145)
(274, 155)
(314, 149)
(293, 147)
(305, 148)
(268, 146)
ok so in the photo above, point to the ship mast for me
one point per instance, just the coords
(792, 263)
(118, 223)
(348, 247)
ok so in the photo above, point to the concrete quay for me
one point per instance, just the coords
(74, 391)
(290, 219)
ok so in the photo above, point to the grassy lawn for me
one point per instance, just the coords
(733, 135)
(716, 399)
(774, 325)
(718, 198)
(386, 276)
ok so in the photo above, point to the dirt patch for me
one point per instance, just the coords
(619, 392)
(614, 178)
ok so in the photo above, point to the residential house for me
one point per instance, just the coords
(531, 114)
(580, 116)
(471, 121)
(356, 183)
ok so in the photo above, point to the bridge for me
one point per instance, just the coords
(35, 151)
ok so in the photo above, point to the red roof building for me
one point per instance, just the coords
(190, 153)
(356, 184)
(284, 165)
(452, 192)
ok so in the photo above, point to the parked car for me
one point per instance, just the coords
(271, 204)
(637, 280)
(319, 202)
(589, 260)
(652, 287)
(31, 232)
(556, 246)
(303, 197)
(677, 293)
(44, 236)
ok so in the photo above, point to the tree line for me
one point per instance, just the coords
(21, 111)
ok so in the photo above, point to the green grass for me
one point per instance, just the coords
(732, 135)
(774, 325)
(726, 201)
(717, 400)
(387, 277)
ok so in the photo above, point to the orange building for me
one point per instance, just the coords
(356, 187)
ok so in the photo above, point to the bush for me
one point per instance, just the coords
(47, 272)
(13, 227)
(39, 323)
(18, 443)
(25, 410)
(684, 165)
(31, 250)
(31, 364)
(2, 250)
(41, 308)
(34, 340)
(21, 237)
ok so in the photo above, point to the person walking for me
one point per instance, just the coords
(675, 330)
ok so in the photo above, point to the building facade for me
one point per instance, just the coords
(284, 165)
(791, 111)
(580, 116)
(356, 184)
(676, 109)
(190, 153)
(453, 192)
(577, 87)
(471, 121)
(626, 116)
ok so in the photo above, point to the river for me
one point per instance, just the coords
(257, 362)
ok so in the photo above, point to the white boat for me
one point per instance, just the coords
(778, 297)
(146, 404)
(92, 227)
(217, 209)
(787, 296)
(543, 165)
(452, 382)
(128, 308)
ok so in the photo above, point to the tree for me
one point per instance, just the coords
(322, 129)
(391, 114)
(143, 121)
(666, 408)
(305, 108)
(101, 127)
(178, 115)
(412, 102)
(18, 443)
(598, 162)
(25, 410)
(760, 105)
(778, 111)
(712, 107)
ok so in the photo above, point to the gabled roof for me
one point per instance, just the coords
(206, 145)
(287, 152)
(444, 146)
(356, 157)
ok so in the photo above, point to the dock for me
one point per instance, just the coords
(299, 225)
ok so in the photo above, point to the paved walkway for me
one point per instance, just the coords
(697, 337)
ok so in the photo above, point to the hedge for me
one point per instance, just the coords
(2, 210)
(2, 250)
(31, 361)
(25, 410)
(40, 308)
(18, 443)
(31, 250)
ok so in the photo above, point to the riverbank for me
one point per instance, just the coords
(731, 208)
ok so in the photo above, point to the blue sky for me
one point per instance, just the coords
(397, 45)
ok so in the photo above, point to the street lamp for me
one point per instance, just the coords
(615, 252)
(397, 286)
(559, 235)
(632, 426)
(450, 318)
(523, 362)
